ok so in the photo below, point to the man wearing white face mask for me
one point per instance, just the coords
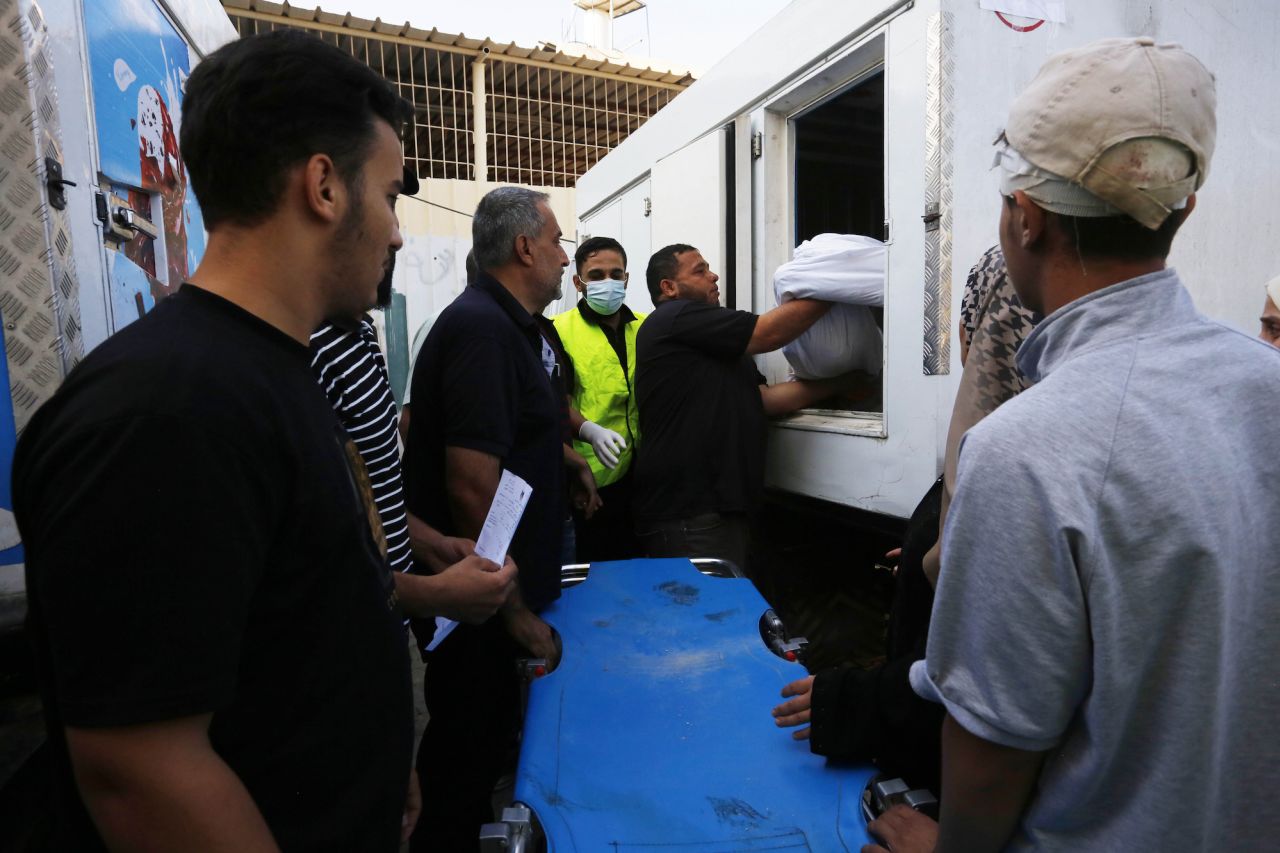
(600, 336)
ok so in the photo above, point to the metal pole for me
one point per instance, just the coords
(480, 118)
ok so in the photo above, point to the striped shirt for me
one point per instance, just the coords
(351, 371)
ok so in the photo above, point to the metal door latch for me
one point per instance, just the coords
(121, 222)
(932, 216)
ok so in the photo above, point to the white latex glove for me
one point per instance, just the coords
(605, 442)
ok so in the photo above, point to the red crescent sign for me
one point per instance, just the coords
(1018, 28)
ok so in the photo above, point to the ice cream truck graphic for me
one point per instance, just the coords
(97, 218)
(137, 67)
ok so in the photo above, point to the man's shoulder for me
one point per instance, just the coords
(1228, 343)
(164, 348)
(1035, 429)
(566, 316)
(474, 311)
(665, 314)
(192, 364)
(472, 319)
(671, 307)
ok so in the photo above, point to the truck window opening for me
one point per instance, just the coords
(839, 182)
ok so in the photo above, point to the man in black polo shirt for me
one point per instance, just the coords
(221, 661)
(484, 401)
(703, 404)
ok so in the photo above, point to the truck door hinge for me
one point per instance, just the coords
(55, 182)
(648, 207)
(757, 145)
(932, 216)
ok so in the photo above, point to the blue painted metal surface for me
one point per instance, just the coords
(654, 732)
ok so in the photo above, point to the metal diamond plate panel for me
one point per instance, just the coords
(938, 142)
(39, 294)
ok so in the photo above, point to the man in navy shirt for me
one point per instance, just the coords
(484, 402)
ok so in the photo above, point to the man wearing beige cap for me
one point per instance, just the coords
(1271, 314)
(1103, 636)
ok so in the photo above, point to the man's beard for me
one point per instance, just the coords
(684, 291)
(384, 286)
(351, 234)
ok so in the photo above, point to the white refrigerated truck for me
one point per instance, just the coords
(877, 117)
(97, 219)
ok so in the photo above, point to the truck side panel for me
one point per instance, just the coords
(91, 89)
(931, 48)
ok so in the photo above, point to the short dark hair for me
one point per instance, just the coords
(662, 265)
(591, 245)
(1119, 238)
(473, 269)
(1115, 238)
(260, 105)
(501, 216)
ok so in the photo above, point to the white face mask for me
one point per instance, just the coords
(606, 297)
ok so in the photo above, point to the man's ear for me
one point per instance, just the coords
(524, 250)
(323, 189)
(1028, 220)
(578, 284)
(669, 288)
(1186, 211)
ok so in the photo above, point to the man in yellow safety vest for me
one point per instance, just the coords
(599, 334)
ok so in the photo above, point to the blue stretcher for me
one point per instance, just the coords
(654, 732)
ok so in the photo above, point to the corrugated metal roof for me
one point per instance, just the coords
(599, 63)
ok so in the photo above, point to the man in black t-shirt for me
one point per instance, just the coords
(220, 654)
(485, 401)
(703, 404)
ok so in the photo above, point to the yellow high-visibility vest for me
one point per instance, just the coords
(603, 392)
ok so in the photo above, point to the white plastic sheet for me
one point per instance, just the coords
(847, 269)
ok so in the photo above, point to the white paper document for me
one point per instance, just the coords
(496, 535)
(1053, 11)
(504, 515)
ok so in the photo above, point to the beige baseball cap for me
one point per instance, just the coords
(1127, 122)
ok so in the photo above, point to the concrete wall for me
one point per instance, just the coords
(430, 269)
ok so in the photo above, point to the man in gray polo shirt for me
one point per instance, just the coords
(1104, 635)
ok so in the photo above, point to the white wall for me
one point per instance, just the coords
(430, 269)
(1227, 250)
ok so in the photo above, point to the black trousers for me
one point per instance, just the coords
(610, 533)
(712, 534)
(472, 692)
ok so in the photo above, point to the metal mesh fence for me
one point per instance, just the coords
(436, 82)
(545, 126)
